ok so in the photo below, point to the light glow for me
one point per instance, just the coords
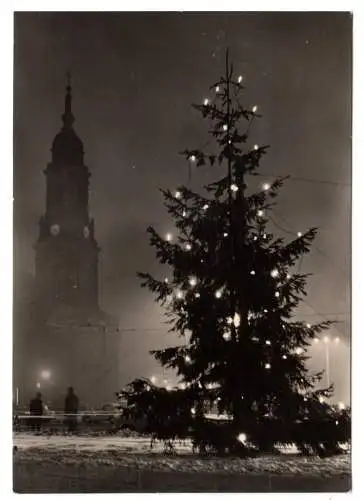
(240, 79)
(188, 246)
(267, 366)
(193, 281)
(256, 147)
(178, 194)
(326, 339)
(234, 188)
(45, 374)
(242, 438)
(274, 273)
(179, 294)
(226, 336)
(169, 237)
(299, 234)
(193, 158)
(252, 272)
(206, 101)
(254, 109)
(266, 186)
(218, 294)
(205, 207)
(268, 342)
(236, 320)
(260, 213)
(225, 127)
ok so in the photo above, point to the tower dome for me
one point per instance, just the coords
(67, 147)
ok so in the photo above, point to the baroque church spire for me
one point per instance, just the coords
(67, 117)
(67, 148)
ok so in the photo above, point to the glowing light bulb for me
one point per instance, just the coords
(217, 88)
(254, 109)
(197, 295)
(188, 247)
(187, 358)
(226, 336)
(165, 280)
(288, 276)
(255, 238)
(206, 101)
(326, 339)
(242, 438)
(229, 320)
(321, 399)
(218, 294)
(179, 294)
(266, 186)
(264, 236)
(169, 237)
(153, 379)
(256, 147)
(225, 127)
(193, 281)
(193, 158)
(205, 207)
(277, 294)
(265, 310)
(178, 194)
(299, 350)
(260, 213)
(268, 342)
(308, 325)
(225, 235)
(184, 213)
(236, 320)
(341, 406)
(240, 79)
(234, 188)
(284, 356)
(252, 272)
(274, 273)
(299, 234)
(193, 411)
(337, 339)
(267, 366)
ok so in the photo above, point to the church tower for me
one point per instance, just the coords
(67, 336)
(66, 264)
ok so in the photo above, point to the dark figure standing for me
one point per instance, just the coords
(36, 412)
(71, 410)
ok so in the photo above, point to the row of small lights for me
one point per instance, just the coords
(182, 386)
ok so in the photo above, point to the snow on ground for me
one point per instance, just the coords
(135, 452)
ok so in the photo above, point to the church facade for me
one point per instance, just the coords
(67, 340)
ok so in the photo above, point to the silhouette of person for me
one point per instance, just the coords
(71, 409)
(36, 412)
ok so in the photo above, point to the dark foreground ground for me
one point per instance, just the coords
(51, 478)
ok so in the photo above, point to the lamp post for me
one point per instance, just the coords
(327, 341)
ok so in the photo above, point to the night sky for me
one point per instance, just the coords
(134, 77)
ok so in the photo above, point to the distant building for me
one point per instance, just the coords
(66, 339)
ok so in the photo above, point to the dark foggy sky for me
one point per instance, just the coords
(134, 78)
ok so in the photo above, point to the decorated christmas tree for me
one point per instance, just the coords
(232, 289)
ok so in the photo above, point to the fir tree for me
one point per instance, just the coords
(234, 289)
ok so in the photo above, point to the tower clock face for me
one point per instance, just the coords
(55, 229)
(86, 232)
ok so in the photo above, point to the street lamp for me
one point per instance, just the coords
(327, 341)
(45, 374)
